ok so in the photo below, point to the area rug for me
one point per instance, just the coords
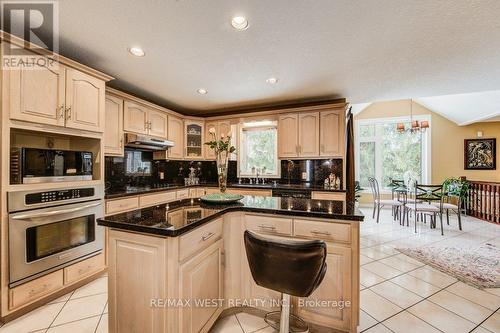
(479, 266)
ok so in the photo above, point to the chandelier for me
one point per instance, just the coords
(416, 126)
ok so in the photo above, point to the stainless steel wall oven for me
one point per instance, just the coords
(52, 229)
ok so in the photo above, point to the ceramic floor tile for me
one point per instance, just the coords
(365, 321)
(102, 327)
(376, 306)
(63, 298)
(493, 323)
(374, 254)
(481, 330)
(268, 329)
(98, 286)
(368, 278)
(227, 324)
(475, 295)
(378, 329)
(433, 277)
(494, 291)
(461, 306)
(415, 285)
(441, 318)
(382, 270)
(405, 322)
(80, 308)
(364, 259)
(401, 265)
(35, 320)
(250, 323)
(87, 325)
(396, 294)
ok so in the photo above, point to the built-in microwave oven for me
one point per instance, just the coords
(33, 165)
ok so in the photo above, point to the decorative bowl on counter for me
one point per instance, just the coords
(221, 198)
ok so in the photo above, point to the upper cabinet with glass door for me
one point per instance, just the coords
(194, 136)
(57, 95)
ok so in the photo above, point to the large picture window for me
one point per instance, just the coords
(384, 153)
(258, 150)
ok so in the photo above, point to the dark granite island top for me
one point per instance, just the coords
(178, 217)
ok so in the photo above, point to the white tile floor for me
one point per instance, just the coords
(398, 294)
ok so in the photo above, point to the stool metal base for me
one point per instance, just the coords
(285, 322)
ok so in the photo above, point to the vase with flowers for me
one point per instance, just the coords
(222, 148)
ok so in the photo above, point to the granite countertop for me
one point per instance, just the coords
(178, 217)
(136, 190)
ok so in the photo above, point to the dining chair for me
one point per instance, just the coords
(446, 203)
(379, 203)
(425, 203)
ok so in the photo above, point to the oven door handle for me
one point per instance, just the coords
(54, 212)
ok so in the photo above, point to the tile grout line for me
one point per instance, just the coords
(100, 318)
(58, 313)
(479, 325)
(241, 327)
(405, 309)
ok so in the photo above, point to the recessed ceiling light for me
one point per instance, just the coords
(239, 23)
(136, 51)
(202, 91)
(272, 80)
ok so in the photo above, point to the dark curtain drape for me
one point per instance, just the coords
(350, 179)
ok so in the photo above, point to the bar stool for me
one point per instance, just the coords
(291, 267)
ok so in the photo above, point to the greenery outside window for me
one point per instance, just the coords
(258, 150)
(384, 153)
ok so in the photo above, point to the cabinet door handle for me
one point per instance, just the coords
(121, 143)
(267, 227)
(207, 236)
(60, 112)
(317, 232)
(149, 125)
(68, 113)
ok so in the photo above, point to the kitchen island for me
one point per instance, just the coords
(177, 267)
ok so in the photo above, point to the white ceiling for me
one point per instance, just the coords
(363, 50)
(465, 109)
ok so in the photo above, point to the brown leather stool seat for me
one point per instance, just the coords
(291, 267)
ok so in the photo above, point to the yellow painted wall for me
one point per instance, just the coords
(447, 140)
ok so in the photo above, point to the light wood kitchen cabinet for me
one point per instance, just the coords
(140, 119)
(83, 268)
(288, 131)
(193, 139)
(336, 287)
(332, 131)
(158, 124)
(308, 137)
(113, 134)
(35, 289)
(220, 127)
(38, 95)
(85, 106)
(176, 134)
(336, 196)
(58, 96)
(131, 291)
(209, 152)
(201, 278)
(135, 117)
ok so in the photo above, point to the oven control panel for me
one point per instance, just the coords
(58, 195)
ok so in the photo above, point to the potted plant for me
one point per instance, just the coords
(223, 149)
